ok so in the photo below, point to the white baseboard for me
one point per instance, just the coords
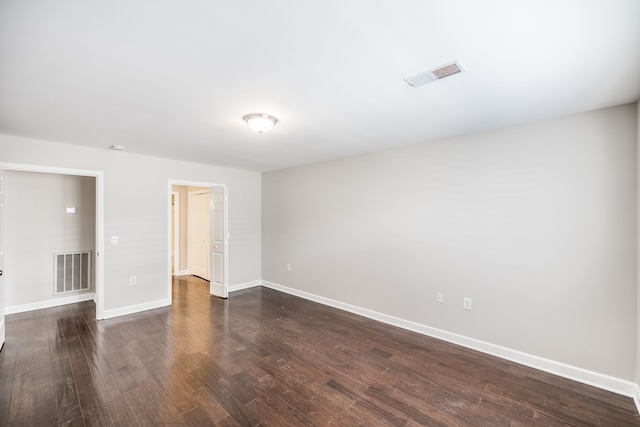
(606, 382)
(182, 273)
(246, 285)
(123, 311)
(137, 308)
(50, 303)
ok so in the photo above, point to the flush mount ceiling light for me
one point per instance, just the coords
(260, 122)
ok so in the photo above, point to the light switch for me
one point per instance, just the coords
(114, 240)
(71, 210)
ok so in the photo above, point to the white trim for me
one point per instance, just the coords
(605, 382)
(50, 303)
(47, 169)
(176, 228)
(636, 397)
(137, 308)
(99, 254)
(3, 334)
(225, 231)
(169, 236)
(182, 273)
(246, 285)
(99, 243)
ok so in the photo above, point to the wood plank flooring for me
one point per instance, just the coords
(267, 358)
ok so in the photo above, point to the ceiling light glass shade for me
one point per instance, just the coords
(260, 122)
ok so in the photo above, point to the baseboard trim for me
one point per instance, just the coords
(182, 273)
(246, 285)
(50, 303)
(136, 308)
(636, 397)
(605, 382)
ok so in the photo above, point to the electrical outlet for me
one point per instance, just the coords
(114, 240)
(439, 297)
(288, 267)
(132, 280)
(467, 304)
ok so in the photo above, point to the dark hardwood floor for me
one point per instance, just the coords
(267, 358)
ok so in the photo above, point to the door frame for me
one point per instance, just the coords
(99, 238)
(3, 325)
(210, 186)
(176, 231)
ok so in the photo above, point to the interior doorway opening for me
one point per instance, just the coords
(198, 236)
(97, 243)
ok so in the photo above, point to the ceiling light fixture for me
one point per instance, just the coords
(260, 122)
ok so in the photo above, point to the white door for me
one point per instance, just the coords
(219, 238)
(199, 233)
(2, 332)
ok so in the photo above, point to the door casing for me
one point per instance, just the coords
(176, 232)
(2, 323)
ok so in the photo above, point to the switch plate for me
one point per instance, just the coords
(132, 280)
(440, 297)
(288, 267)
(467, 304)
(114, 240)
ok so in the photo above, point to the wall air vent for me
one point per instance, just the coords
(434, 74)
(72, 272)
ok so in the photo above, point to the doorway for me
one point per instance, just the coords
(202, 250)
(98, 264)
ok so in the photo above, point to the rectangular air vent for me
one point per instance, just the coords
(73, 272)
(434, 74)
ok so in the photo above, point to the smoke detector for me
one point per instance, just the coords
(434, 74)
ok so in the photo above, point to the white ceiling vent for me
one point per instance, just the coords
(434, 74)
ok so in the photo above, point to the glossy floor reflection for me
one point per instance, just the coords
(267, 358)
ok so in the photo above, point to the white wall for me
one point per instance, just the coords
(37, 226)
(536, 223)
(136, 209)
